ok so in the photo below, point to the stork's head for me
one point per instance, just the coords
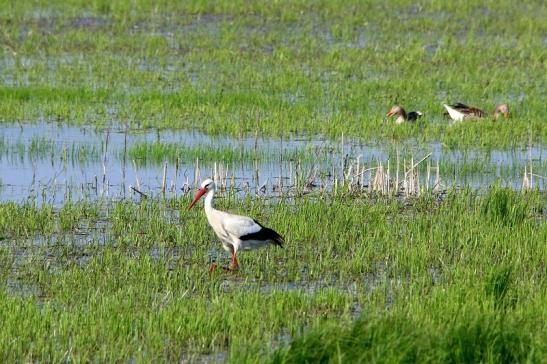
(206, 186)
(396, 110)
(502, 109)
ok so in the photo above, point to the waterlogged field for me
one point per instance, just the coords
(419, 242)
(53, 164)
(277, 68)
(458, 279)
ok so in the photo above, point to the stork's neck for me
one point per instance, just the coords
(210, 211)
(209, 201)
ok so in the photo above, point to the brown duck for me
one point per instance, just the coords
(459, 112)
(402, 115)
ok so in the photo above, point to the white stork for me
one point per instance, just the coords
(234, 231)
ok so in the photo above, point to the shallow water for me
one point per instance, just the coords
(52, 163)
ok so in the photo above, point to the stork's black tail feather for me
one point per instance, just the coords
(276, 238)
(265, 234)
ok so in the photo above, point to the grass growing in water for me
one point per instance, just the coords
(156, 153)
(457, 280)
(44, 148)
(274, 69)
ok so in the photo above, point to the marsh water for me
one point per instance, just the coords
(53, 163)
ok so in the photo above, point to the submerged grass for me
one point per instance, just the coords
(457, 280)
(274, 69)
(156, 153)
(42, 148)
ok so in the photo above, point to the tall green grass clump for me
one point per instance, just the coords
(504, 206)
(438, 328)
(498, 286)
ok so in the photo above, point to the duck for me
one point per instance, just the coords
(460, 111)
(402, 114)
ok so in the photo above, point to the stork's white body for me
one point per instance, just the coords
(454, 114)
(229, 228)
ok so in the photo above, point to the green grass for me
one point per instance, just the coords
(326, 67)
(459, 280)
(24, 221)
(430, 330)
(156, 153)
(42, 149)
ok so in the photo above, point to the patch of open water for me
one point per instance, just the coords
(53, 163)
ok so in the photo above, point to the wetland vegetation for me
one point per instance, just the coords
(420, 242)
(467, 270)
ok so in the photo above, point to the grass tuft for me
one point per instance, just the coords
(503, 206)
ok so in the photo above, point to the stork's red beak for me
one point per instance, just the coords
(389, 113)
(200, 193)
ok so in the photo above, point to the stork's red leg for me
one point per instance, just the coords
(212, 267)
(233, 264)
